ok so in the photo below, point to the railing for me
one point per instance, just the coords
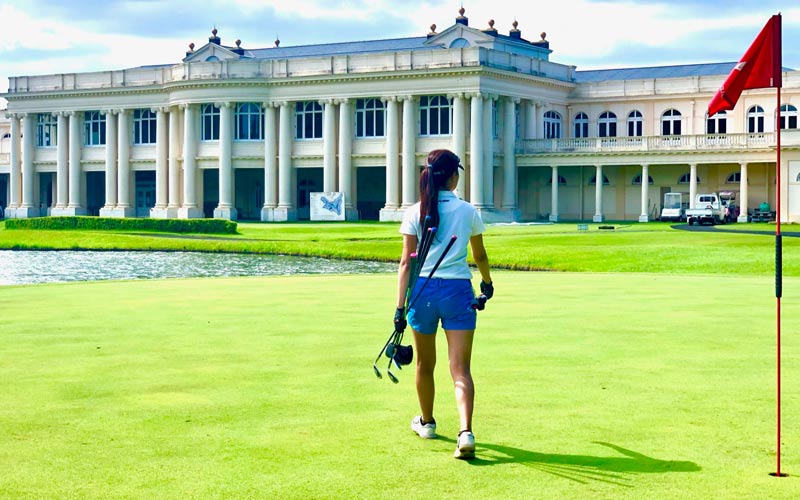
(723, 142)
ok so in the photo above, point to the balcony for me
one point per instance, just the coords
(672, 143)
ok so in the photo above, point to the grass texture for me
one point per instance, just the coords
(589, 385)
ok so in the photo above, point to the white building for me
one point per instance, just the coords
(242, 133)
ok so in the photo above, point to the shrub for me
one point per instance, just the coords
(212, 226)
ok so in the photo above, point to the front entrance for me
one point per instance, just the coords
(210, 191)
(309, 180)
(95, 192)
(249, 193)
(370, 192)
(145, 192)
(3, 194)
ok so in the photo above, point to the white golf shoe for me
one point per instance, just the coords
(465, 446)
(426, 430)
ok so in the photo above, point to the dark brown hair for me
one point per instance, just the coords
(441, 165)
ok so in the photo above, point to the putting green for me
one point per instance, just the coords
(618, 386)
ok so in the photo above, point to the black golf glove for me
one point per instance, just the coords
(400, 320)
(487, 289)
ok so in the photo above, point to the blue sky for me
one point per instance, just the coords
(66, 36)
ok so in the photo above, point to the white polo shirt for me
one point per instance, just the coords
(456, 217)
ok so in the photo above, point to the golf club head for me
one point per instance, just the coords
(377, 371)
(393, 378)
(404, 354)
(390, 350)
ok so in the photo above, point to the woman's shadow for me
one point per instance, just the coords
(581, 468)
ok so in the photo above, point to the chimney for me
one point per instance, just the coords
(491, 29)
(214, 38)
(238, 50)
(461, 19)
(191, 50)
(515, 33)
(433, 31)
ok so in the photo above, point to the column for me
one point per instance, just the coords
(476, 155)
(27, 208)
(743, 206)
(390, 211)
(692, 184)
(598, 194)
(159, 211)
(62, 165)
(111, 164)
(329, 146)
(554, 194)
(410, 175)
(643, 217)
(488, 151)
(530, 120)
(460, 138)
(74, 205)
(124, 207)
(189, 209)
(225, 209)
(15, 158)
(510, 157)
(346, 158)
(286, 210)
(174, 167)
(270, 164)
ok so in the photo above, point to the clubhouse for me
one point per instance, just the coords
(248, 133)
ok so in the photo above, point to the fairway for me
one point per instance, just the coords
(588, 385)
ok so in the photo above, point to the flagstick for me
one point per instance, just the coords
(778, 274)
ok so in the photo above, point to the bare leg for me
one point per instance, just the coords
(459, 350)
(426, 361)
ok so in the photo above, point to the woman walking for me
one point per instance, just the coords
(448, 296)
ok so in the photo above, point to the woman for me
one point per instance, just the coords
(448, 296)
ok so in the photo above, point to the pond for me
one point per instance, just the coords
(29, 267)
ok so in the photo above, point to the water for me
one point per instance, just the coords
(28, 267)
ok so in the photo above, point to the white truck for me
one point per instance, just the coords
(707, 208)
(674, 207)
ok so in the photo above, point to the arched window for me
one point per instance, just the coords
(249, 121)
(634, 124)
(209, 123)
(434, 115)
(717, 124)
(308, 120)
(788, 117)
(637, 181)
(94, 128)
(370, 118)
(552, 125)
(459, 43)
(144, 126)
(684, 179)
(671, 122)
(734, 178)
(212, 59)
(581, 126)
(46, 130)
(755, 120)
(561, 180)
(607, 125)
(593, 180)
(6, 136)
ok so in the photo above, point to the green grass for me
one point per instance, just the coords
(589, 385)
(630, 247)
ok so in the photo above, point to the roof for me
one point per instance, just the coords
(710, 69)
(329, 49)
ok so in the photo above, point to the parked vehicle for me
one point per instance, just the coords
(675, 205)
(708, 208)
(729, 201)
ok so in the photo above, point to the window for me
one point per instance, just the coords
(370, 118)
(607, 125)
(308, 120)
(46, 130)
(684, 179)
(459, 43)
(249, 119)
(552, 125)
(561, 180)
(717, 124)
(671, 122)
(637, 181)
(734, 178)
(634, 124)
(434, 115)
(144, 127)
(495, 119)
(209, 123)
(581, 125)
(755, 120)
(593, 180)
(788, 115)
(94, 129)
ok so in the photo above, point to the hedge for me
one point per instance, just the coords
(215, 226)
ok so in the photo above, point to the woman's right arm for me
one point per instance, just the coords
(409, 247)
(480, 257)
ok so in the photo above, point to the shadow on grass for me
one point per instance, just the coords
(581, 468)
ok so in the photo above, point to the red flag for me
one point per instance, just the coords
(760, 67)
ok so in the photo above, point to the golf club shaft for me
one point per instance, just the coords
(435, 267)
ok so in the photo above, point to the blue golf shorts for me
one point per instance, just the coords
(448, 300)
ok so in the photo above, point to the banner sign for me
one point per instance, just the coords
(327, 206)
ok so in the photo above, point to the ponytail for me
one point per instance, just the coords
(439, 168)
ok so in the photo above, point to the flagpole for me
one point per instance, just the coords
(778, 273)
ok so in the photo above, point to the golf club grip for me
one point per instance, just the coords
(435, 267)
(778, 266)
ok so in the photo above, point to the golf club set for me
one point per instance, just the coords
(398, 354)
